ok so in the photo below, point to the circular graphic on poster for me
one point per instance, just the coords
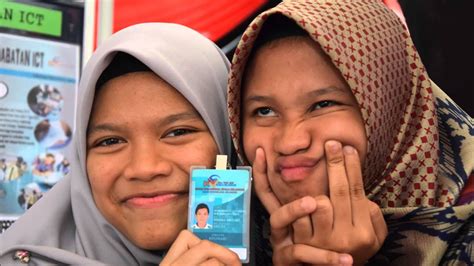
(53, 134)
(3, 90)
(45, 100)
(48, 168)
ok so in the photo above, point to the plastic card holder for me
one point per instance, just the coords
(219, 207)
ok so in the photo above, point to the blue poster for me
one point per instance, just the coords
(219, 208)
(38, 88)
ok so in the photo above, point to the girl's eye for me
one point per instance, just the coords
(322, 104)
(109, 141)
(179, 132)
(264, 111)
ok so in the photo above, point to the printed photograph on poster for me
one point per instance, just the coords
(49, 168)
(53, 134)
(45, 100)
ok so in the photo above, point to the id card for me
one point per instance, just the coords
(219, 207)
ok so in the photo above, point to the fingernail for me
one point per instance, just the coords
(308, 204)
(345, 259)
(333, 146)
(348, 150)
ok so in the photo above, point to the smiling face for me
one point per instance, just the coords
(294, 100)
(142, 139)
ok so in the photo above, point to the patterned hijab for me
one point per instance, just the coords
(420, 143)
(65, 227)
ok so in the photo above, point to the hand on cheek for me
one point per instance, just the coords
(346, 221)
(289, 220)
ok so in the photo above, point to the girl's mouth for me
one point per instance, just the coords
(153, 201)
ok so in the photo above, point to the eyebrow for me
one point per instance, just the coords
(167, 120)
(328, 90)
(180, 116)
(313, 93)
(257, 98)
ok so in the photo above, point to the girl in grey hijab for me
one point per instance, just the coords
(152, 103)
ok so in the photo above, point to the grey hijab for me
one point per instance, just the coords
(65, 227)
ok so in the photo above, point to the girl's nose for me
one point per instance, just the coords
(292, 138)
(147, 161)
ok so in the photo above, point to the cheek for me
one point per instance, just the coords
(102, 172)
(99, 186)
(358, 135)
(253, 138)
(95, 169)
(350, 131)
(200, 153)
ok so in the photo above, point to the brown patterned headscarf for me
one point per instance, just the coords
(416, 166)
(377, 58)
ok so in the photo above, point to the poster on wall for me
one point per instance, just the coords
(40, 59)
(37, 98)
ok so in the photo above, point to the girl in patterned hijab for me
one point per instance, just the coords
(152, 104)
(327, 95)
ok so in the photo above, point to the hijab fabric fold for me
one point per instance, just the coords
(420, 143)
(65, 226)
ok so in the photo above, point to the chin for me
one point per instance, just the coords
(155, 236)
(292, 193)
(156, 241)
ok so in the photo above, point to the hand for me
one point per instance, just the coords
(285, 251)
(188, 249)
(346, 222)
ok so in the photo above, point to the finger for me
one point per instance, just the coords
(294, 213)
(299, 253)
(302, 230)
(360, 212)
(206, 250)
(323, 219)
(338, 185)
(212, 262)
(183, 242)
(378, 222)
(262, 186)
